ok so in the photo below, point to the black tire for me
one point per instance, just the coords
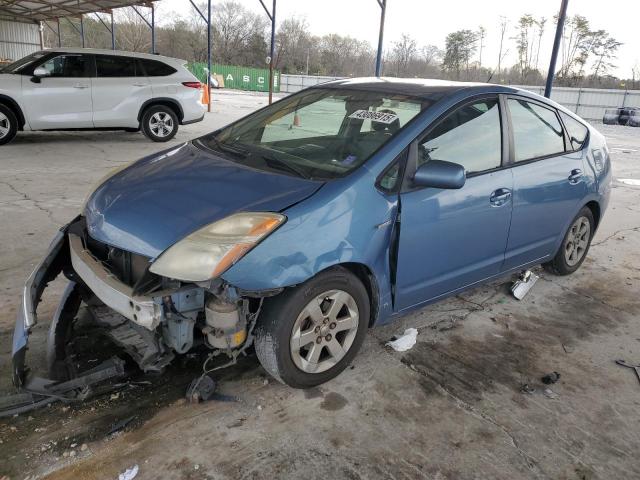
(151, 116)
(559, 265)
(279, 315)
(8, 121)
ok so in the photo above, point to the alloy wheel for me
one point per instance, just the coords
(5, 125)
(324, 331)
(161, 124)
(577, 241)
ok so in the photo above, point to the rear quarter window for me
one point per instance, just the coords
(576, 130)
(155, 68)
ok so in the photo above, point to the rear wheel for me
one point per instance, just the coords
(8, 124)
(575, 244)
(160, 123)
(310, 333)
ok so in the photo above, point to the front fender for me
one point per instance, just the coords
(345, 222)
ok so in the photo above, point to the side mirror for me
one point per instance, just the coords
(440, 174)
(38, 73)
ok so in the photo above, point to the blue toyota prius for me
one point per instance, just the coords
(343, 206)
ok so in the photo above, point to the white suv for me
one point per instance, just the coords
(78, 88)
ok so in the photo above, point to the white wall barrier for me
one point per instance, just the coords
(589, 103)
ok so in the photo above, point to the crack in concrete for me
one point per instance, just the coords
(36, 203)
(617, 232)
(531, 462)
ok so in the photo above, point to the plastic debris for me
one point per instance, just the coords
(526, 388)
(630, 181)
(525, 283)
(121, 424)
(550, 394)
(129, 473)
(550, 378)
(405, 341)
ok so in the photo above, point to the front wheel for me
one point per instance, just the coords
(575, 244)
(309, 334)
(8, 125)
(159, 123)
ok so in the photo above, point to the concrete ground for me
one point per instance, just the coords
(450, 408)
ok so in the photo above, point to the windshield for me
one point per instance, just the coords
(319, 133)
(18, 64)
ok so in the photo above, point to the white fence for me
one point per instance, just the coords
(589, 103)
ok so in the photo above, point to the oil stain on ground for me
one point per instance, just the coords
(467, 367)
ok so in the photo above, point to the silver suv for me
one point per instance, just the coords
(76, 88)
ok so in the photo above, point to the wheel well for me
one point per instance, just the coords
(15, 108)
(595, 210)
(172, 104)
(367, 278)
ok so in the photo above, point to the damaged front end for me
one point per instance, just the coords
(152, 318)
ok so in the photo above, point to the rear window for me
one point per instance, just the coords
(576, 130)
(154, 68)
(115, 66)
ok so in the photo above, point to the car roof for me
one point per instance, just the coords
(101, 51)
(410, 86)
(432, 89)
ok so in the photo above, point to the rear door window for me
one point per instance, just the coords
(155, 68)
(576, 130)
(115, 66)
(536, 130)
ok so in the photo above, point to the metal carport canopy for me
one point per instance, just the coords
(38, 10)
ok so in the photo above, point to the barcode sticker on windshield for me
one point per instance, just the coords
(381, 117)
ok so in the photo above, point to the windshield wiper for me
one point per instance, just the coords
(227, 149)
(282, 165)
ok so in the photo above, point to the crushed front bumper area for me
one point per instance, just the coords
(50, 266)
(67, 252)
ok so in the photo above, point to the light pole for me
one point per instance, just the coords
(383, 11)
(556, 46)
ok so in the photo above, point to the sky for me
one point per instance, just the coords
(428, 22)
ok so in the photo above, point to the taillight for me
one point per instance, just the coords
(192, 84)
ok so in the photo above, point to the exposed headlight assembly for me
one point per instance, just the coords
(208, 252)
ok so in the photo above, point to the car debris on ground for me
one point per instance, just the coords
(630, 181)
(129, 473)
(550, 378)
(636, 368)
(405, 341)
(524, 284)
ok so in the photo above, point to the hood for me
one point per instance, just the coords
(160, 199)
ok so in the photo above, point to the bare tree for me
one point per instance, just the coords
(576, 43)
(459, 48)
(403, 53)
(541, 22)
(604, 47)
(482, 33)
(503, 29)
(293, 45)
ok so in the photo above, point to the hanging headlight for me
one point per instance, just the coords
(208, 252)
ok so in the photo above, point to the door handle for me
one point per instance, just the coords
(500, 197)
(575, 176)
(139, 84)
(80, 86)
